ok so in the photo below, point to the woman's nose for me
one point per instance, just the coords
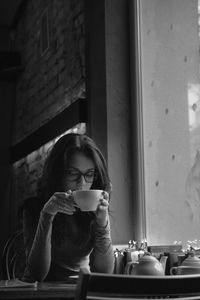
(82, 179)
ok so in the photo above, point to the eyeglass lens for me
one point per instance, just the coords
(75, 175)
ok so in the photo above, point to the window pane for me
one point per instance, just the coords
(170, 46)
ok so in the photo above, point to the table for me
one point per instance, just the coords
(41, 290)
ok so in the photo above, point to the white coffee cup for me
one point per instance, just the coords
(87, 200)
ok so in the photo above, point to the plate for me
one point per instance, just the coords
(14, 283)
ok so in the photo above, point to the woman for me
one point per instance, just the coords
(59, 238)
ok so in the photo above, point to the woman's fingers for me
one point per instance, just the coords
(105, 195)
(104, 200)
(65, 203)
(60, 202)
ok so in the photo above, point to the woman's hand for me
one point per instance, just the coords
(60, 202)
(102, 210)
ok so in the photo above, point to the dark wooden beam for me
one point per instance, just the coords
(69, 117)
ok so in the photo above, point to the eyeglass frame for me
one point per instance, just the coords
(79, 174)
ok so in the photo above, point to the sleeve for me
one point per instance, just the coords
(38, 248)
(102, 255)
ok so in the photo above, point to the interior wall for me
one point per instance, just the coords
(51, 80)
(118, 119)
(107, 59)
(48, 84)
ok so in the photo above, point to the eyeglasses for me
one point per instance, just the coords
(75, 175)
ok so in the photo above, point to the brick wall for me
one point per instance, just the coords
(50, 81)
(27, 170)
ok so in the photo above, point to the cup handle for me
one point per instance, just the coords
(173, 270)
(129, 266)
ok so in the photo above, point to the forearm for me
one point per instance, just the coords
(102, 256)
(39, 258)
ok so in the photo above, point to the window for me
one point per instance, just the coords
(166, 47)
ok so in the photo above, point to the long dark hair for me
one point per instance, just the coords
(56, 161)
(59, 156)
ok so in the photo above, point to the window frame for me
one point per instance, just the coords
(139, 210)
